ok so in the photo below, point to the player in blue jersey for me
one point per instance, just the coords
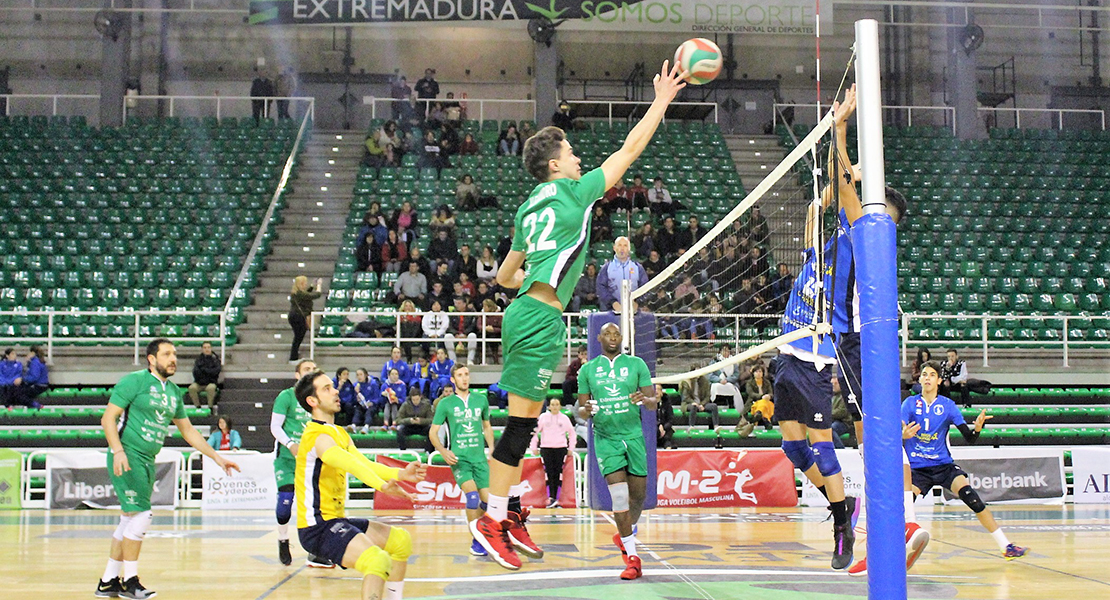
(926, 419)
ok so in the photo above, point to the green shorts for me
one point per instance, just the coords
(534, 337)
(285, 467)
(628, 454)
(134, 487)
(471, 470)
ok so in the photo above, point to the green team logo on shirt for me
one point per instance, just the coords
(611, 385)
(465, 422)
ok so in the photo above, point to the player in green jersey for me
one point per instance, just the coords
(287, 422)
(611, 388)
(469, 433)
(148, 403)
(546, 260)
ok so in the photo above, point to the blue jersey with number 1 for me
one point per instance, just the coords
(929, 448)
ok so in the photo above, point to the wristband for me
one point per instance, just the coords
(289, 444)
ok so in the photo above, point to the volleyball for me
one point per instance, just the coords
(701, 58)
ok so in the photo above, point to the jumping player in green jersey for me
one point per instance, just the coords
(611, 388)
(148, 403)
(546, 260)
(469, 433)
(287, 422)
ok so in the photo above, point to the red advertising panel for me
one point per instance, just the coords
(725, 478)
(439, 490)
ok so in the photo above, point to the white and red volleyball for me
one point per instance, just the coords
(701, 58)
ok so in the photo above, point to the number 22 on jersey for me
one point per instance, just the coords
(547, 217)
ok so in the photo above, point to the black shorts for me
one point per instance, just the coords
(330, 538)
(850, 372)
(943, 475)
(802, 393)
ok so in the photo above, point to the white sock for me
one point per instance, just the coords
(112, 570)
(130, 569)
(1000, 539)
(907, 507)
(283, 532)
(497, 507)
(630, 545)
(393, 590)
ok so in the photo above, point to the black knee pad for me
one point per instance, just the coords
(514, 440)
(972, 500)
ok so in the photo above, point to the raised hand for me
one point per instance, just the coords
(910, 430)
(413, 472)
(844, 109)
(982, 419)
(669, 81)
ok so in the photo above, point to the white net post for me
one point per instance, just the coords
(627, 320)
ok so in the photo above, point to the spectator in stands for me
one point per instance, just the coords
(664, 438)
(466, 264)
(466, 286)
(469, 146)
(654, 264)
(461, 327)
(36, 378)
(487, 265)
(414, 418)
(439, 294)
(391, 144)
(443, 248)
(411, 285)
(617, 197)
(505, 244)
(449, 142)
(744, 299)
(206, 376)
(697, 398)
(443, 220)
(455, 113)
(392, 253)
(602, 228)
(261, 89)
(661, 303)
(666, 240)
(431, 156)
(367, 391)
(643, 241)
(842, 422)
(705, 268)
(421, 373)
(691, 234)
(11, 378)
(700, 326)
(527, 130)
(759, 397)
(225, 438)
(394, 392)
(725, 382)
(762, 306)
(404, 372)
(373, 155)
(422, 264)
(585, 291)
(923, 355)
(759, 267)
(570, 378)
(411, 327)
(638, 193)
(347, 396)
(368, 255)
(405, 217)
(434, 323)
(284, 87)
(400, 91)
(660, 200)
(374, 223)
(508, 143)
(437, 115)
(757, 227)
(300, 306)
(615, 271)
(781, 285)
(953, 378)
(439, 372)
(554, 437)
(565, 119)
(466, 193)
(686, 291)
(491, 330)
(427, 88)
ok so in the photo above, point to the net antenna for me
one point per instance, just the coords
(711, 264)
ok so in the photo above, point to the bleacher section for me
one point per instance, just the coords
(1003, 227)
(155, 214)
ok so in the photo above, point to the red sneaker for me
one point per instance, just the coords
(633, 570)
(518, 534)
(916, 540)
(859, 569)
(620, 545)
(494, 537)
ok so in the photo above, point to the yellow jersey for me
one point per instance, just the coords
(321, 490)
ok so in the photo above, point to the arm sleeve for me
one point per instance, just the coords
(962, 375)
(440, 417)
(519, 243)
(970, 435)
(366, 471)
(277, 420)
(590, 187)
(645, 376)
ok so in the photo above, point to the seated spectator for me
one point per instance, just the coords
(527, 130)
(505, 244)
(565, 119)
(454, 110)
(422, 264)
(374, 155)
(443, 276)
(439, 294)
(410, 285)
(467, 263)
(443, 220)
(482, 293)
(704, 268)
(421, 373)
(374, 223)
(439, 372)
(654, 264)
(617, 197)
(487, 265)
(781, 285)
(430, 153)
(394, 392)
(466, 193)
(491, 330)
(602, 228)
(414, 418)
(923, 355)
(660, 200)
(36, 379)
(469, 146)
(953, 378)
(224, 438)
(759, 397)
(759, 267)
(685, 292)
(666, 240)
(664, 438)
(437, 115)
(763, 308)
(443, 248)
(449, 141)
(725, 382)
(206, 376)
(368, 255)
(466, 286)
(744, 300)
(405, 218)
(570, 378)
(390, 142)
(689, 236)
(757, 227)
(367, 392)
(395, 361)
(346, 389)
(700, 326)
(459, 327)
(434, 323)
(643, 241)
(697, 398)
(411, 328)
(393, 253)
(508, 143)
(638, 193)
(11, 378)
(585, 292)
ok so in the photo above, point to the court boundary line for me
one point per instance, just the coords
(1027, 563)
(282, 582)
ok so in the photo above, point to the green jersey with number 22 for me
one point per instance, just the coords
(553, 230)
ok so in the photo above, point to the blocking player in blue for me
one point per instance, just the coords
(926, 420)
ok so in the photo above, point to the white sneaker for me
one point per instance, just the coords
(365, 429)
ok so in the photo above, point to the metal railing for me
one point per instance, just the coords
(610, 104)
(1058, 113)
(217, 106)
(52, 338)
(985, 342)
(492, 108)
(948, 113)
(35, 103)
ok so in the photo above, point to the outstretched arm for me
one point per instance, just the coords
(370, 473)
(840, 170)
(667, 84)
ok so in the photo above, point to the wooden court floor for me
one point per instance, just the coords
(689, 554)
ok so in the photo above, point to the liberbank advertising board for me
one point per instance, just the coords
(782, 17)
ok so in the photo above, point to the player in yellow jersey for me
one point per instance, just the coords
(324, 458)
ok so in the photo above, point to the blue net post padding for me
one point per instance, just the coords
(645, 348)
(873, 239)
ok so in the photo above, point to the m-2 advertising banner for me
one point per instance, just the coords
(725, 478)
(439, 490)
